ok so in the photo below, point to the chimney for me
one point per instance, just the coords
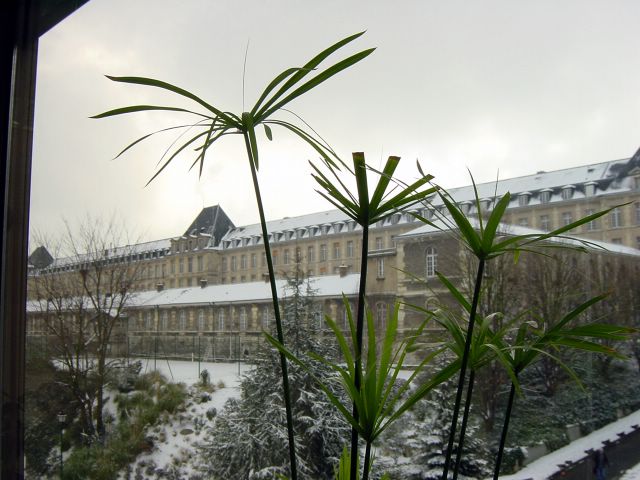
(159, 287)
(343, 270)
(203, 282)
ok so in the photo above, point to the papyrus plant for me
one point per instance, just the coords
(536, 339)
(387, 198)
(482, 238)
(212, 124)
(373, 385)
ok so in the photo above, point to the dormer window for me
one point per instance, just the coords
(325, 229)
(590, 189)
(485, 203)
(523, 199)
(545, 196)
(465, 206)
(567, 192)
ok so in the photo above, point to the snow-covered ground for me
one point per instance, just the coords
(175, 444)
(632, 474)
(546, 466)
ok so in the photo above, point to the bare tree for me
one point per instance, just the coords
(80, 301)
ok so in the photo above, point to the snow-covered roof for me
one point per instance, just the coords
(537, 182)
(326, 286)
(162, 245)
(444, 224)
(606, 177)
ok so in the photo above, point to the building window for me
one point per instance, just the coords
(298, 255)
(224, 264)
(567, 218)
(200, 320)
(183, 320)
(274, 258)
(523, 199)
(149, 321)
(432, 261)
(593, 224)
(545, 224)
(523, 222)
(286, 257)
(381, 316)
(350, 249)
(200, 263)
(265, 318)
(567, 193)
(616, 241)
(311, 254)
(637, 205)
(336, 250)
(172, 267)
(380, 268)
(181, 265)
(221, 319)
(243, 318)
(615, 218)
(545, 196)
(234, 264)
(254, 263)
(638, 243)
(243, 262)
(165, 320)
(379, 243)
(323, 252)
(190, 264)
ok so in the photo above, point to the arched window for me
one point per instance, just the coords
(221, 319)
(432, 261)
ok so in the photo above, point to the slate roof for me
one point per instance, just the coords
(606, 178)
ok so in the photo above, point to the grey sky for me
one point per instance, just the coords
(514, 86)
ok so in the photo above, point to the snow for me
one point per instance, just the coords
(329, 285)
(632, 474)
(176, 443)
(546, 466)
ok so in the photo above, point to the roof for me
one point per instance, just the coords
(443, 225)
(211, 221)
(326, 286)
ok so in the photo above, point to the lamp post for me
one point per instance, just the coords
(61, 419)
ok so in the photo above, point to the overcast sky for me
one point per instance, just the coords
(508, 86)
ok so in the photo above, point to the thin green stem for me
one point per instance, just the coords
(505, 429)
(358, 352)
(463, 367)
(463, 428)
(367, 462)
(276, 311)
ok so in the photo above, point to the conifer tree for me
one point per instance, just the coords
(248, 439)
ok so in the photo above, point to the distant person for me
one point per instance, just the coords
(600, 464)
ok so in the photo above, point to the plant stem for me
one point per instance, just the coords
(463, 367)
(276, 312)
(367, 462)
(358, 353)
(505, 429)
(463, 428)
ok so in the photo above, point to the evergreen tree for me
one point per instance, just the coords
(415, 448)
(248, 439)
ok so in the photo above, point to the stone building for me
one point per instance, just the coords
(213, 255)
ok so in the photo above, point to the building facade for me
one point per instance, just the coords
(213, 256)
